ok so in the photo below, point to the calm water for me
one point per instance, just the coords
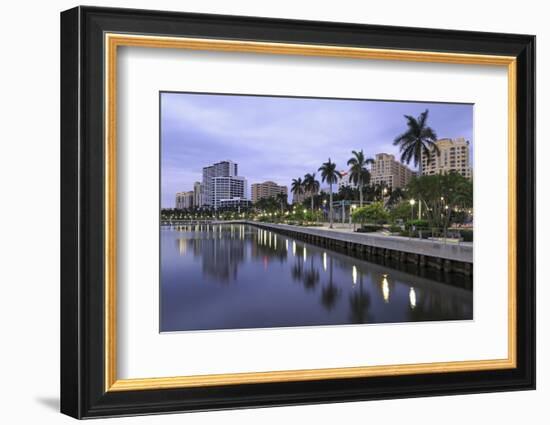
(239, 276)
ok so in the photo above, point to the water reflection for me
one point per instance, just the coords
(239, 276)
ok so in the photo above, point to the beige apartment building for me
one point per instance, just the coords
(389, 172)
(454, 155)
(266, 190)
(197, 194)
(184, 200)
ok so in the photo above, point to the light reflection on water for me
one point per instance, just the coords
(239, 276)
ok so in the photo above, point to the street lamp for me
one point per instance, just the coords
(412, 202)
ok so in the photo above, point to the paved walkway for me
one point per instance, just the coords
(462, 251)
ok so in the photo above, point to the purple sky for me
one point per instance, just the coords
(278, 139)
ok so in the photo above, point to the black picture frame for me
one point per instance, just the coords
(83, 392)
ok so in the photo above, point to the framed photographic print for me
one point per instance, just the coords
(261, 212)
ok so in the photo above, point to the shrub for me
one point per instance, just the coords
(395, 229)
(369, 228)
(467, 235)
(418, 224)
(410, 234)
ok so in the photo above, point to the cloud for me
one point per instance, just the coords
(276, 138)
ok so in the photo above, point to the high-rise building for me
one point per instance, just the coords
(197, 194)
(228, 187)
(454, 155)
(346, 180)
(389, 172)
(226, 169)
(266, 189)
(184, 200)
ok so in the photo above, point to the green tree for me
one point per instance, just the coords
(441, 194)
(359, 174)
(373, 213)
(396, 195)
(311, 186)
(401, 211)
(419, 139)
(331, 176)
(346, 193)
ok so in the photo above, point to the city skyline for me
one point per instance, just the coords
(280, 138)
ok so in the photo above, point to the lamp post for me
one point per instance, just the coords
(412, 202)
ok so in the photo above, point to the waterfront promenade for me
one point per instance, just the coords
(462, 251)
(436, 254)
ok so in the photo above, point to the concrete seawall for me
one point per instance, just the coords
(449, 257)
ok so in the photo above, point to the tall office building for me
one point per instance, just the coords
(220, 169)
(266, 190)
(184, 200)
(389, 172)
(454, 155)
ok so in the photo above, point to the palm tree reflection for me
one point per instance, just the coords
(311, 276)
(329, 293)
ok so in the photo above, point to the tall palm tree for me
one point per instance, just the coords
(282, 198)
(359, 174)
(419, 139)
(297, 187)
(331, 176)
(311, 186)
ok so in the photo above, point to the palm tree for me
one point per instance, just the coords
(311, 186)
(359, 174)
(418, 140)
(282, 198)
(297, 187)
(331, 176)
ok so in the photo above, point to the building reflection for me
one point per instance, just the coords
(220, 249)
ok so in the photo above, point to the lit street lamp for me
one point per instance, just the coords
(412, 202)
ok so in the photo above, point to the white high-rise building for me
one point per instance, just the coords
(346, 180)
(228, 187)
(209, 173)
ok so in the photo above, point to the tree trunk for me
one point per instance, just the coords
(330, 207)
(312, 203)
(361, 195)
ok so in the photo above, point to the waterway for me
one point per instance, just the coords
(238, 276)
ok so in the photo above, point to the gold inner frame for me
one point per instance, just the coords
(113, 41)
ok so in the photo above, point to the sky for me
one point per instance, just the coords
(281, 138)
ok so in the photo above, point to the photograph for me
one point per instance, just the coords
(280, 211)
